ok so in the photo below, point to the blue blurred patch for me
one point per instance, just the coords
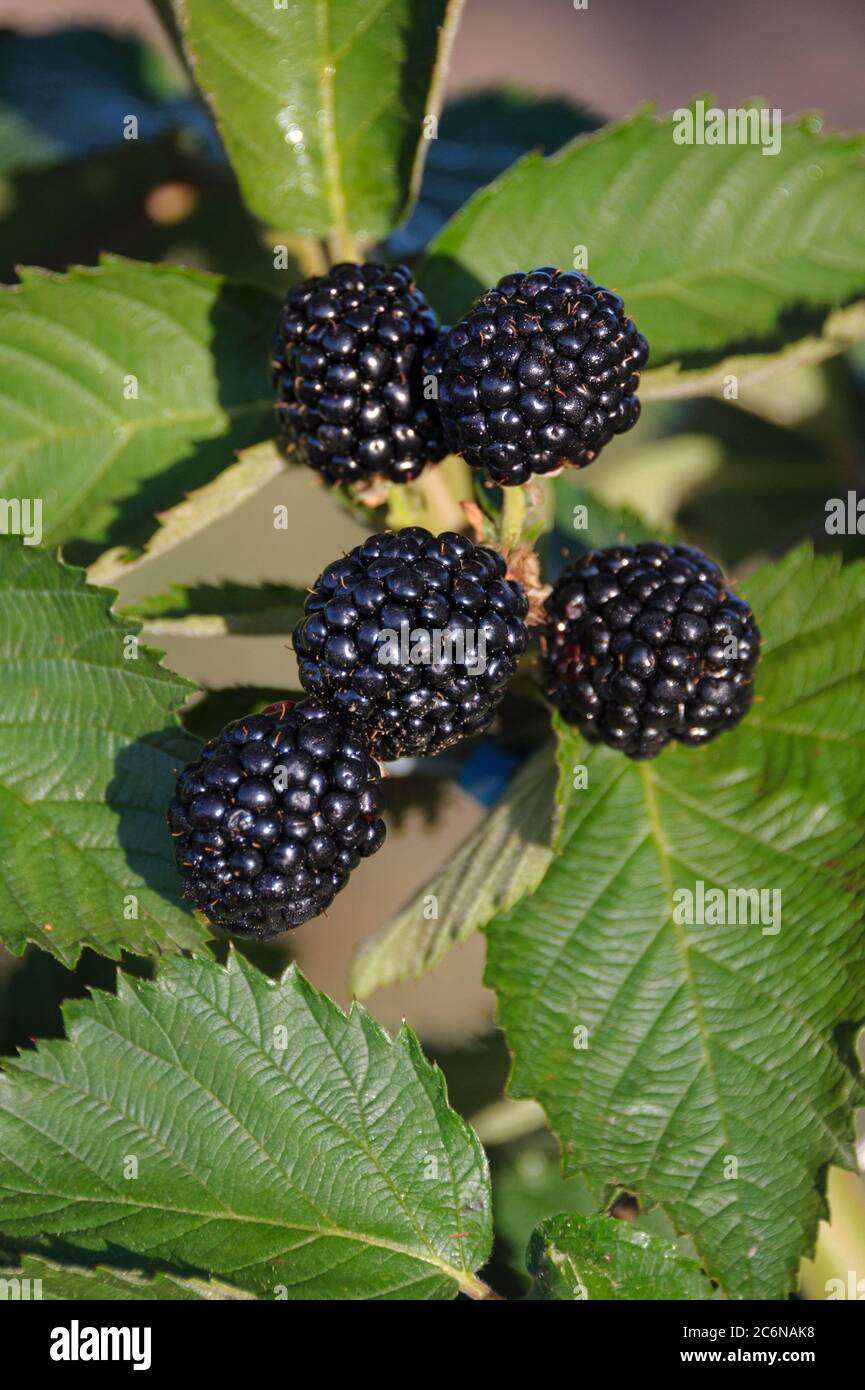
(486, 772)
(479, 136)
(65, 95)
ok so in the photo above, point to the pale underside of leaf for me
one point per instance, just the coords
(254, 469)
(842, 329)
(219, 610)
(69, 1282)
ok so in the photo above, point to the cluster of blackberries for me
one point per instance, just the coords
(645, 644)
(407, 644)
(406, 647)
(540, 374)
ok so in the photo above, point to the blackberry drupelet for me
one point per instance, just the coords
(539, 374)
(414, 634)
(647, 643)
(349, 367)
(270, 821)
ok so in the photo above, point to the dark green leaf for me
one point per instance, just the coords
(89, 746)
(705, 242)
(246, 1129)
(124, 387)
(717, 1072)
(597, 1257)
(70, 93)
(479, 136)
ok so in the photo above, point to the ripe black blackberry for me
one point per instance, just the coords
(540, 373)
(348, 364)
(414, 634)
(272, 818)
(647, 643)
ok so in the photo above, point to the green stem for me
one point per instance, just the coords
(400, 511)
(307, 251)
(342, 245)
(505, 1120)
(444, 512)
(513, 517)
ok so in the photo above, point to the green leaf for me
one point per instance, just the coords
(718, 1070)
(769, 484)
(225, 493)
(840, 330)
(64, 1282)
(706, 243)
(279, 1144)
(123, 387)
(213, 610)
(597, 1257)
(505, 858)
(321, 106)
(605, 524)
(89, 746)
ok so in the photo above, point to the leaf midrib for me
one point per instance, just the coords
(653, 812)
(330, 142)
(463, 1277)
(466, 1282)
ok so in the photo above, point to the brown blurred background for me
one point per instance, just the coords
(612, 55)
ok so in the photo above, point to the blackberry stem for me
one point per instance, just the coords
(309, 253)
(444, 509)
(512, 518)
(400, 511)
(343, 246)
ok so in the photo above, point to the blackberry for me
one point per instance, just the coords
(272, 818)
(348, 364)
(414, 634)
(647, 643)
(540, 373)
